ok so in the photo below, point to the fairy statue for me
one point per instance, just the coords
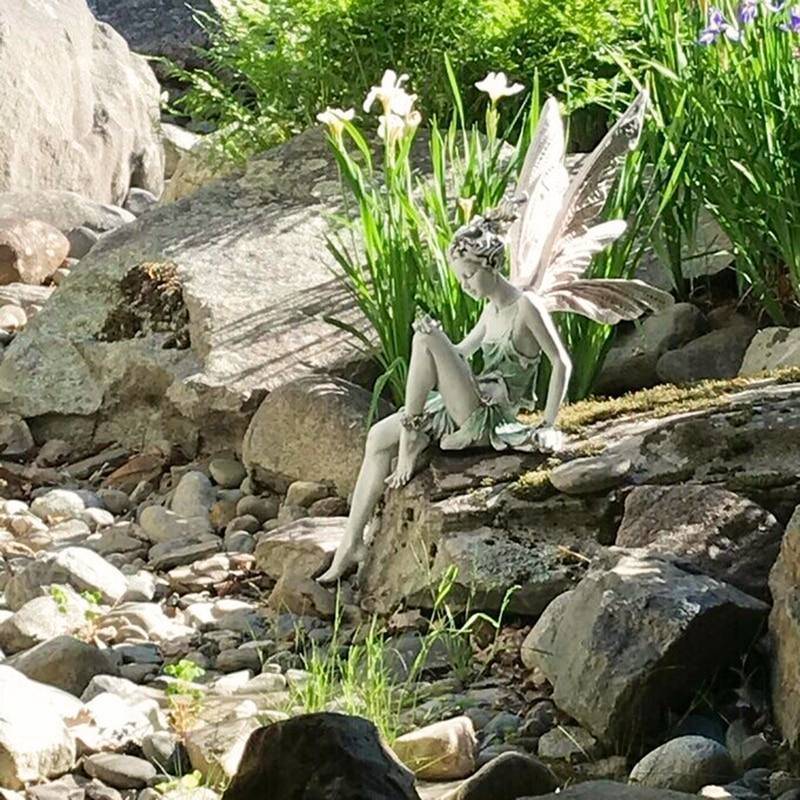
(551, 227)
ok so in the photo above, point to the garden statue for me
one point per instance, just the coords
(552, 231)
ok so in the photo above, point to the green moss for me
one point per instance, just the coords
(534, 485)
(664, 400)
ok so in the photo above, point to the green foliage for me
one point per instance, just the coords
(273, 64)
(60, 598)
(392, 250)
(362, 678)
(184, 698)
(731, 112)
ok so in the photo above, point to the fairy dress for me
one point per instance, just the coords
(506, 387)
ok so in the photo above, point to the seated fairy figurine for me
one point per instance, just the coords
(549, 226)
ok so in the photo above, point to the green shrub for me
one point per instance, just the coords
(272, 64)
(731, 111)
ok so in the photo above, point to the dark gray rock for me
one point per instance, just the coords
(507, 777)
(717, 354)
(635, 638)
(349, 762)
(610, 790)
(716, 531)
(66, 663)
(685, 764)
(631, 361)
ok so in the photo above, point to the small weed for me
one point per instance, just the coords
(185, 699)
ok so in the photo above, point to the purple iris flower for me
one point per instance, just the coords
(793, 25)
(748, 11)
(717, 25)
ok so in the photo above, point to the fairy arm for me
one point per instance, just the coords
(541, 325)
(472, 341)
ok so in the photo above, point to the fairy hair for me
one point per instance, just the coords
(482, 239)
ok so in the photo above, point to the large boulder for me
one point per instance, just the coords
(177, 325)
(465, 522)
(716, 531)
(634, 639)
(311, 429)
(784, 626)
(169, 28)
(87, 111)
(350, 762)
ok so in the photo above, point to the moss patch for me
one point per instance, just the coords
(663, 401)
(152, 302)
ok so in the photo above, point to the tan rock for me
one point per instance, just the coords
(442, 751)
(30, 250)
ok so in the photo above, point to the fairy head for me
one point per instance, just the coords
(477, 252)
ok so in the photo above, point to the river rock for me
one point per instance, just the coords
(15, 436)
(150, 309)
(632, 360)
(685, 764)
(78, 567)
(161, 525)
(64, 210)
(716, 531)
(194, 495)
(716, 355)
(347, 753)
(312, 429)
(303, 548)
(64, 662)
(439, 752)
(119, 771)
(667, 631)
(90, 128)
(506, 777)
(610, 790)
(33, 746)
(58, 505)
(139, 200)
(216, 750)
(43, 618)
(30, 250)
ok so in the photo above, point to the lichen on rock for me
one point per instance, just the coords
(151, 303)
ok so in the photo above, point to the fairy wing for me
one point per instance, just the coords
(574, 233)
(606, 300)
(543, 179)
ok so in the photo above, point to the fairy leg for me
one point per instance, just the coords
(435, 364)
(382, 441)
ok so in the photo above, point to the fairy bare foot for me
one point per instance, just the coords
(412, 444)
(344, 563)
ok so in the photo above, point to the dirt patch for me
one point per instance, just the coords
(152, 303)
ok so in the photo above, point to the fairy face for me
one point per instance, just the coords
(476, 279)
